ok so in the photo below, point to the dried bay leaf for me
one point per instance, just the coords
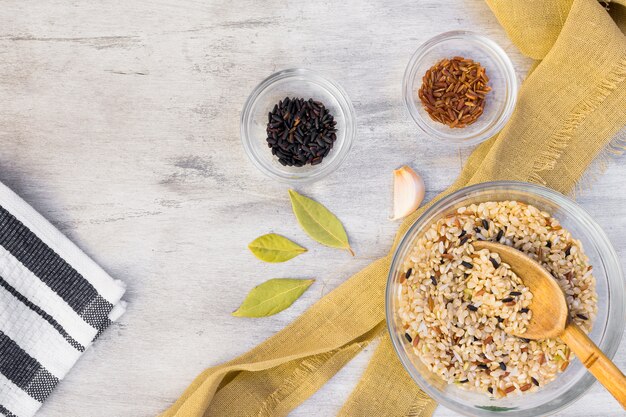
(275, 248)
(318, 222)
(272, 297)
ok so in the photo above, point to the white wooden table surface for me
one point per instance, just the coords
(120, 123)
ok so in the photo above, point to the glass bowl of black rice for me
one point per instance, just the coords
(297, 126)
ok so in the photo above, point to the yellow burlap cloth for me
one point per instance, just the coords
(570, 108)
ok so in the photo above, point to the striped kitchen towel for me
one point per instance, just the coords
(54, 302)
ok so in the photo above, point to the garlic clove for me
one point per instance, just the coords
(408, 192)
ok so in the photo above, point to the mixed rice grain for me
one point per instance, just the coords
(458, 305)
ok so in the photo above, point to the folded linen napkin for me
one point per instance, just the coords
(54, 302)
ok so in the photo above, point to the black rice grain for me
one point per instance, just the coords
(408, 337)
(582, 317)
(485, 224)
(408, 273)
(534, 381)
(300, 131)
(433, 279)
(472, 307)
(499, 235)
(467, 264)
(502, 366)
(494, 263)
(507, 299)
(515, 293)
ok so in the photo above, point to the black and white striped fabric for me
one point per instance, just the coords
(54, 302)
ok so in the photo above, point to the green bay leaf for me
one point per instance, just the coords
(272, 297)
(275, 248)
(318, 222)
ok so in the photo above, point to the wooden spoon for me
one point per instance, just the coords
(550, 318)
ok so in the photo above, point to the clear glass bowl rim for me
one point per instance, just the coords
(613, 330)
(333, 89)
(505, 64)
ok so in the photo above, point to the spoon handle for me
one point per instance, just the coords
(596, 362)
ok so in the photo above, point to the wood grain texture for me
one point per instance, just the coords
(596, 362)
(120, 123)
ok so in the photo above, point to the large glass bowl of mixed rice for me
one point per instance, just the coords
(451, 309)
